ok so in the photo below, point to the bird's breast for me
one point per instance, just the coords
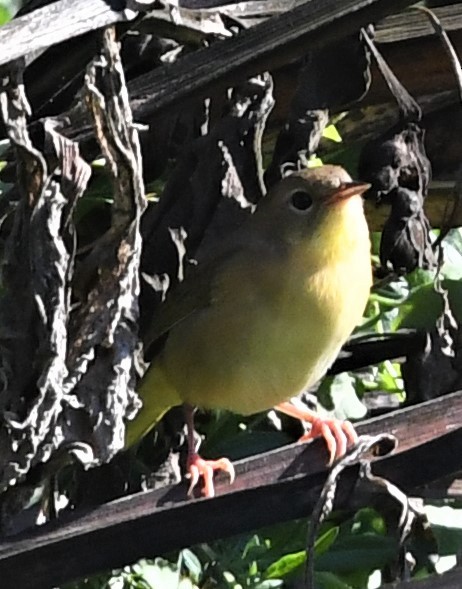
(269, 334)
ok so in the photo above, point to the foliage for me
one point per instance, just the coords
(350, 552)
(7, 9)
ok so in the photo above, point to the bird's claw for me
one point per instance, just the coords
(198, 467)
(338, 435)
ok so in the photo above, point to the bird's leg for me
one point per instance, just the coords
(337, 434)
(198, 467)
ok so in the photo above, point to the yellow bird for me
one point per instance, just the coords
(266, 316)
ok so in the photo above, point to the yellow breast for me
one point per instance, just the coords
(276, 324)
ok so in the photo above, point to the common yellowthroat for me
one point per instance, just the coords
(266, 316)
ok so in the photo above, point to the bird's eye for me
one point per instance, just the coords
(300, 200)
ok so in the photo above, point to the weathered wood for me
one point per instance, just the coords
(414, 24)
(54, 23)
(414, 53)
(270, 45)
(66, 19)
(307, 25)
(285, 481)
(279, 40)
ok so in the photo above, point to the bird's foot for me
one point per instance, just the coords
(339, 435)
(198, 467)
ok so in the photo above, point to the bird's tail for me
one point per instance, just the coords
(157, 397)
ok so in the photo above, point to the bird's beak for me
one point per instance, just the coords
(349, 189)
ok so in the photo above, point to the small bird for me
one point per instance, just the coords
(265, 316)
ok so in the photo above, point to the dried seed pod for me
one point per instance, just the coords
(399, 170)
(406, 235)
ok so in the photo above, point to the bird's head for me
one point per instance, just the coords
(321, 207)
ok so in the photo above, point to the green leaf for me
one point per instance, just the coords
(5, 15)
(420, 277)
(326, 580)
(289, 563)
(285, 565)
(421, 309)
(282, 539)
(254, 548)
(325, 541)
(330, 132)
(389, 377)
(368, 520)
(338, 393)
(352, 553)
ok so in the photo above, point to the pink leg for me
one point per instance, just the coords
(198, 467)
(337, 434)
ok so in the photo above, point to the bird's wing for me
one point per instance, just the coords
(195, 293)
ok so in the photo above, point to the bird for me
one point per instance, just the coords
(264, 316)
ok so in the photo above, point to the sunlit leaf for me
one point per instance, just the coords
(446, 525)
(289, 563)
(161, 573)
(314, 162)
(5, 15)
(285, 565)
(269, 584)
(191, 563)
(325, 541)
(331, 132)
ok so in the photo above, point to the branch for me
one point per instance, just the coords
(276, 486)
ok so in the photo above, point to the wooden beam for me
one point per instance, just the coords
(411, 48)
(272, 487)
(413, 52)
(267, 46)
(279, 40)
(414, 24)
